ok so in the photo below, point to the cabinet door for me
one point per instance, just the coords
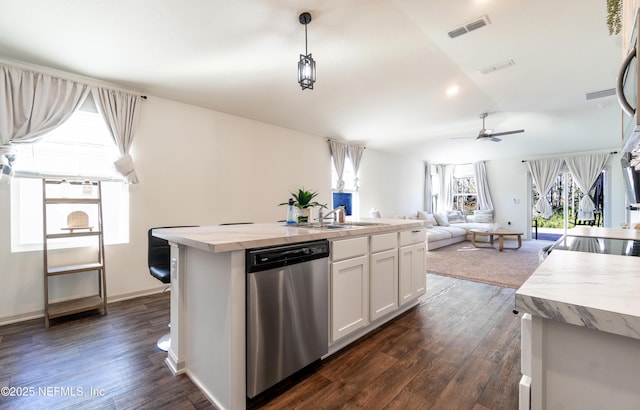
(412, 272)
(383, 283)
(349, 296)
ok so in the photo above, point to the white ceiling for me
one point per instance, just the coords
(383, 66)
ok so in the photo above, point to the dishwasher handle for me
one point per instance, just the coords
(279, 256)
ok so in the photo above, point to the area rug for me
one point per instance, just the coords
(509, 268)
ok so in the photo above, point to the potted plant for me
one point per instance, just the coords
(303, 201)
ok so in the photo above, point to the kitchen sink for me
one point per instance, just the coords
(344, 225)
(330, 226)
(363, 223)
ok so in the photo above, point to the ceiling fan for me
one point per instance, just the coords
(488, 134)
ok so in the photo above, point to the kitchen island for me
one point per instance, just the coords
(208, 296)
(581, 330)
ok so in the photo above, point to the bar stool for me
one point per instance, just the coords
(159, 260)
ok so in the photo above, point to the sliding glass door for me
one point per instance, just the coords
(564, 198)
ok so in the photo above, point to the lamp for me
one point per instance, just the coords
(306, 65)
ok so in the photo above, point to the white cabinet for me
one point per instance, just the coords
(412, 265)
(371, 277)
(349, 286)
(383, 275)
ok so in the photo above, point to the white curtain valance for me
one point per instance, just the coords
(585, 170)
(355, 156)
(482, 184)
(447, 187)
(32, 104)
(120, 112)
(428, 189)
(339, 155)
(544, 172)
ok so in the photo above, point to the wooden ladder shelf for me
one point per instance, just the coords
(60, 196)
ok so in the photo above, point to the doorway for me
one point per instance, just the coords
(565, 198)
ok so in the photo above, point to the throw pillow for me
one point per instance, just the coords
(455, 217)
(441, 218)
(483, 216)
(423, 216)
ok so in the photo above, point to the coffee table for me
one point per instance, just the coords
(500, 233)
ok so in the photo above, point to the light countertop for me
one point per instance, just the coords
(598, 291)
(225, 238)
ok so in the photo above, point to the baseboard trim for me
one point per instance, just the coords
(23, 317)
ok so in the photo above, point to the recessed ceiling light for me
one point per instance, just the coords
(453, 90)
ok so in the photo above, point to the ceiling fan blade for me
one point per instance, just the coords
(507, 132)
(488, 137)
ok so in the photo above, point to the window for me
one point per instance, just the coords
(348, 176)
(79, 149)
(465, 196)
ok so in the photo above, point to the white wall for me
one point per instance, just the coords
(391, 184)
(202, 167)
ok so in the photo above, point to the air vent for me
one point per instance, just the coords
(601, 94)
(496, 67)
(470, 26)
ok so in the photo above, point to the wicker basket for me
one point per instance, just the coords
(78, 220)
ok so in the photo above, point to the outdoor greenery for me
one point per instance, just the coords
(556, 199)
(614, 16)
(465, 195)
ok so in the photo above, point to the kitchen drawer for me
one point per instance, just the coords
(412, 236)
(349, 248)
(525, 344)
(384, 242)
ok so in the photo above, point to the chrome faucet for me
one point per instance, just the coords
(338, 215)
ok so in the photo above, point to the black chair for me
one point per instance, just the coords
(159, 260)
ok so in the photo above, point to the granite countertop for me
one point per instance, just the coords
(611, 233)
(225, 238)
(598, 291)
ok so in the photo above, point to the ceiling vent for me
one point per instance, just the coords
(496, 67)
(470, 26)
(601, 94)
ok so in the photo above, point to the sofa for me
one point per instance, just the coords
(449, 227)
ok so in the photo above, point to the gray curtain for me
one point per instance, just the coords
(32, 104)
(447, 187)
(338, 154)
(585, 170)
(355, 156)
(120, 112)
(482, 185)
(544, 173)
(428, 189)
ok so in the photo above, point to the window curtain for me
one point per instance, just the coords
(120, 112)
(339, 154)
(482, 186)
(428, 189)
(544, 172)
(447, 187)
(585, 170)
(355, 156)
(32, 104)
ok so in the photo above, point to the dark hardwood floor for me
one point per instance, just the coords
(459, 349)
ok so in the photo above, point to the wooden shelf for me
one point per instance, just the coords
(71, 200)
(69, 307)
(73, 234)
(84, 267)
(82, 304)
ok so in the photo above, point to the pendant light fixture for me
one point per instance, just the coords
(306, 65)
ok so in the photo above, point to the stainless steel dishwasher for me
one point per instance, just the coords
(287, 311)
